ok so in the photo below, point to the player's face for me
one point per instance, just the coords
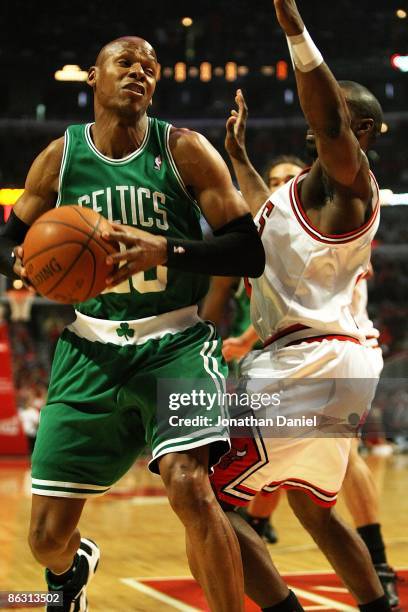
(280, 174)
(126, 78)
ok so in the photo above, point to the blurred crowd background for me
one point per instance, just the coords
(356, 39)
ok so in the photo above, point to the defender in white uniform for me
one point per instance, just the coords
(301, 310)
(317, 232)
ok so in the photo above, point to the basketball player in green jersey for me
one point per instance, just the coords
(155, 179)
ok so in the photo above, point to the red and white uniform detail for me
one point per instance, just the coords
(330, 378)
(301, 309)
(359, 311)
(309, 277)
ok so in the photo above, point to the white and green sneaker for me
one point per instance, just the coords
(74, 590)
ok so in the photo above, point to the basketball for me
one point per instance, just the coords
(64, 254)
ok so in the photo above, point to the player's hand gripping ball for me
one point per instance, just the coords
(64, 254)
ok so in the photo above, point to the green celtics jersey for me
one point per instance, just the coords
(144, 190)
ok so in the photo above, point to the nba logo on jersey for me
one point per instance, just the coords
(157, 162)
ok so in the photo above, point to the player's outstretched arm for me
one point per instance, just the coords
(251, 184)
(39, 195)
(324, 106)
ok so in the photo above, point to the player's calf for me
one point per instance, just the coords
(344, 549)
(185, 476)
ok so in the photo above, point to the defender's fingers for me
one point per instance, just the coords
(231, 121)
(243, 109)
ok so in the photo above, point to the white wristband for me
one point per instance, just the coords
(304, 53)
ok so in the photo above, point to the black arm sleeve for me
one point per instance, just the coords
(11, 235)
(234, 250)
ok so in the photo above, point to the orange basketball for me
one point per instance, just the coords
(64, 254)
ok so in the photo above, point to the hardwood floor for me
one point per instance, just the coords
(139, 536)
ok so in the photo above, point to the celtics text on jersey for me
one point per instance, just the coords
(144, 190)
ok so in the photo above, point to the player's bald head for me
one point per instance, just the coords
(362, 103)
(123, 43)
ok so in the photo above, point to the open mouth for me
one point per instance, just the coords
(135, 88)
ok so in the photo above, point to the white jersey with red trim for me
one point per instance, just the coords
(309, 278)
(359, 311)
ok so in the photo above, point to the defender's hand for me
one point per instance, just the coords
(289, 17)
(142, 251)
(236, 125)
(235, 348)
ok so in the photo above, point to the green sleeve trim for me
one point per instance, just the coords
(63, 167)
(175, 169)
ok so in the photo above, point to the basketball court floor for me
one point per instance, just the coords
(143, 566)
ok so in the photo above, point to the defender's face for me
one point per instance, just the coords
(280, 174)
(126, 78)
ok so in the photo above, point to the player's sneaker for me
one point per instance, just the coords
(262, 526)
(388, 579)
(269, 534)
(74, 591)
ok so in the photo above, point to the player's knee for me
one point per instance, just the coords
(189, 494)
(314, 518)
(188, 489)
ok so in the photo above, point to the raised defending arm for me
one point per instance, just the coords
(324, 106)
(251, 184)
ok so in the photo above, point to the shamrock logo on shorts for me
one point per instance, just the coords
(124, 330)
